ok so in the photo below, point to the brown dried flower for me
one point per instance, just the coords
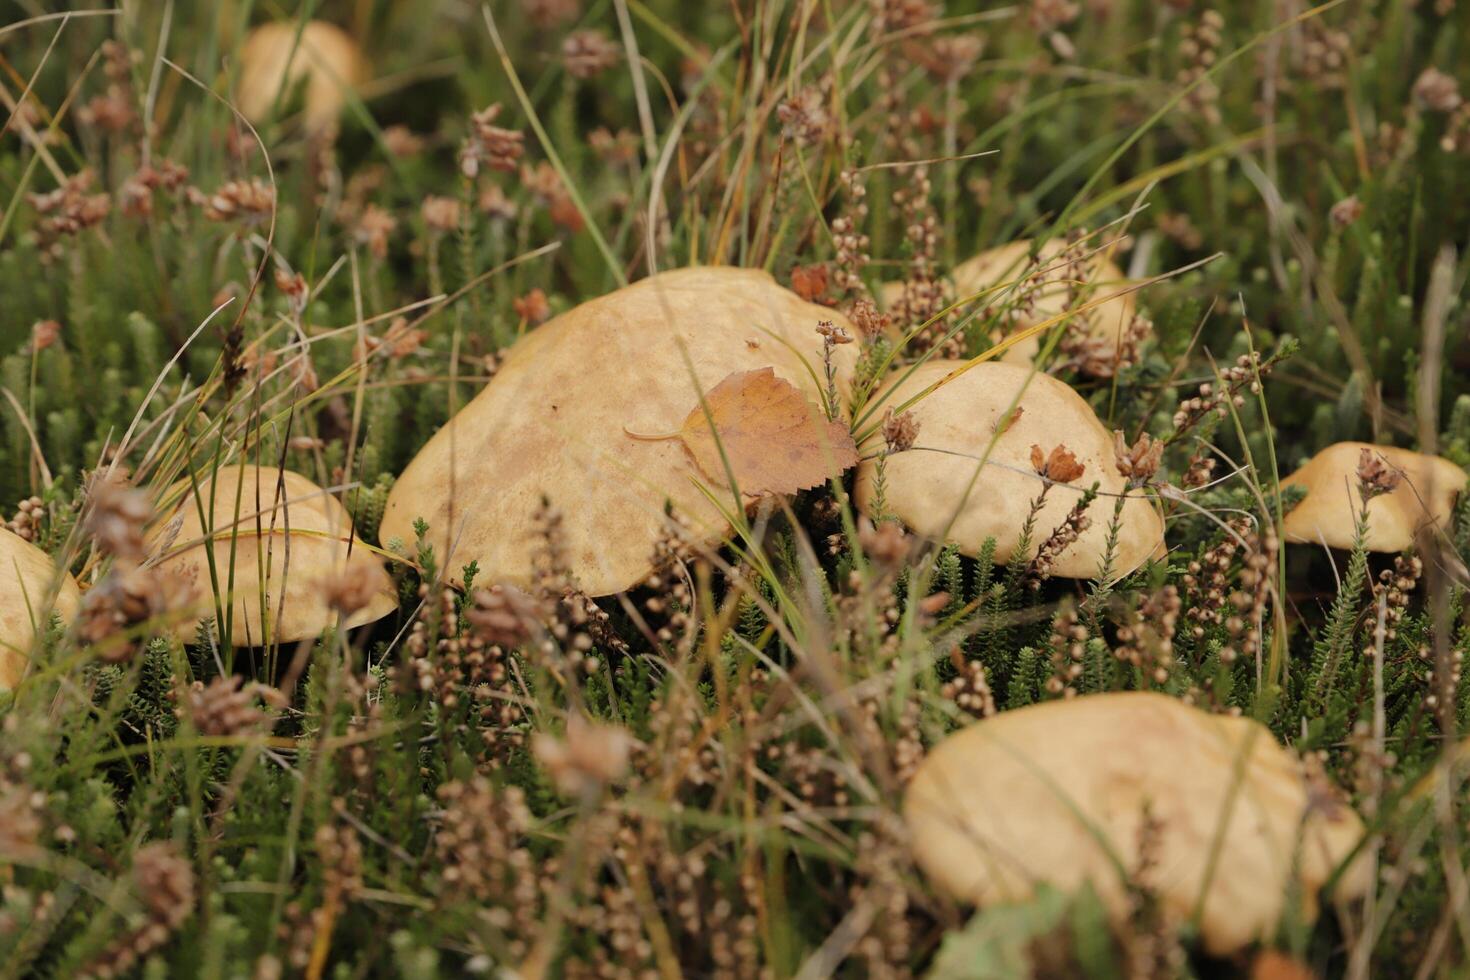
(532, 307)
(1059, 466)
(588, 54)
(899, 431)
(1436, 91)
(590, 756)
(116, 516)
(1376, 476)
(504, 616)
(1140, 462)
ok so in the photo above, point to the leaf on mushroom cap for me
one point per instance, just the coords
(1055, 793)
(957, 422)
(1425, 496)
(773, 439)
(273, 61)
(553, 422)
(27, 578)
(1002, 265)
(290, 529)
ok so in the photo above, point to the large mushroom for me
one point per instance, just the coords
(1423, 496)
(1059, 792)
(294, 554)
(324, 60)
(555, 422)
(933, 488)
(28, 579)
(1047, 289)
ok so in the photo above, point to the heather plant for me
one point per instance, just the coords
(705, 774)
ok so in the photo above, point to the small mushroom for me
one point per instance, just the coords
(555, 423)
(28, 577)
(1423, 495)
(272, 62)
(292, 544)
(934, 490)
(1034, 303)
(1059, 792)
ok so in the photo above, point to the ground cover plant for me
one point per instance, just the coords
(963, 489)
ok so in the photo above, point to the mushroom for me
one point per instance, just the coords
(291, 541)
(934, 490)
(556, 422)
(1059, 792)
(1423, 497)
(1108, 322)
(28, 579)
(273, 62)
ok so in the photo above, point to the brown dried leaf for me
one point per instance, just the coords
(775, 440)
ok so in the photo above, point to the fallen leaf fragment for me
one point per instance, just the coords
(775, 440)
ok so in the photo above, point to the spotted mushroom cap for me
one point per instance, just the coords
(1001, 265)
(1424, 497)
(933, 488)
(291, 542)
(554, 421)
(272, 60)
(28, 578)
(1057, 793)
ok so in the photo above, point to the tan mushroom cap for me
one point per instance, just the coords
(27, 578)
(554, 420)
(271, 61)
(957, 422)
(302, 562)
(1328, 513)
(1030, 796)
(1003, 264)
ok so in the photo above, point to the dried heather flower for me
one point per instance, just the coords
(970, 688)
(440, 214)
(1139, 463)
(498, 147)
(900, 432)
(44, 334)
(29, 514)
(248, 201)
(588, 54)
(1376, 476)
(589, 757)
(225, 708)
(952, 56)
(504, 616)
(532, 307)
(116, 517)
(1346, 211)
(1058, 466)
(402, 142)
(804, 117)
(810, 281)
(869, 321)
(351, 588)
(1063, 537)
(374, 227)
(885, 544)
(1436, 91)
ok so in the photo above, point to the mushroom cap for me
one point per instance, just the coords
(27, 577)
(1329, 512)
(1030, 796)
(554, 422)
(300, 562)
(1005, 263)
(271, 60)
(925, 486)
